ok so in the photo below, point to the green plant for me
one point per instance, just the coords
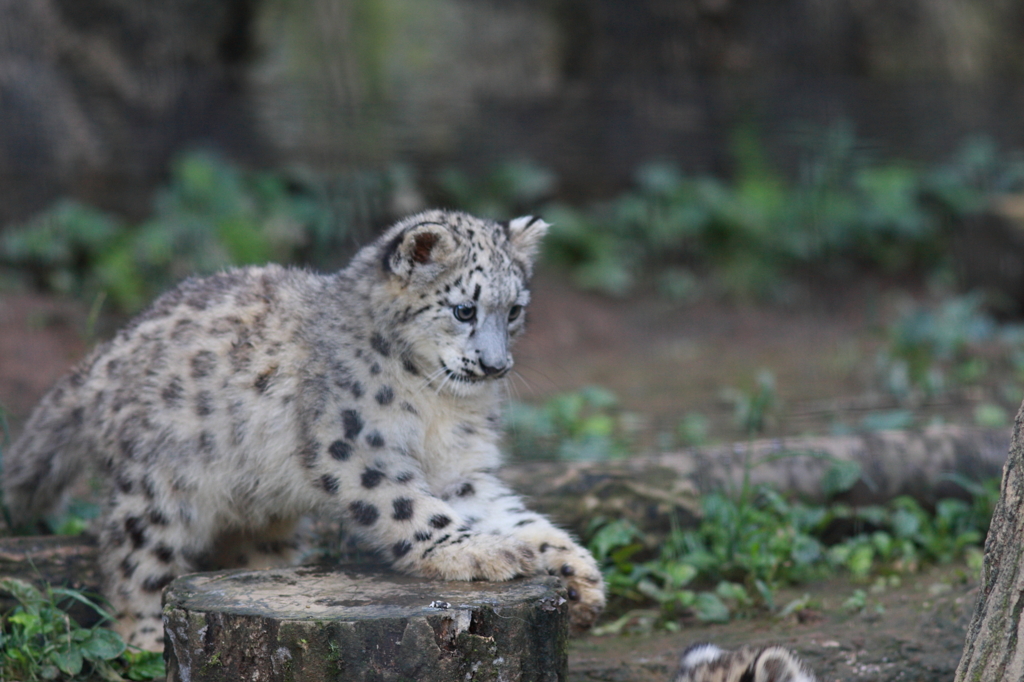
(747, 546)
(754, 409)
(577, 425)
(926, 347)
(40, 641)
(212, 215)
(505, 192)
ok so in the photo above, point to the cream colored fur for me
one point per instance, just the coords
(239, 403)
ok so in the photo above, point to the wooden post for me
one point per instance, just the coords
(362, 623)
(994, 649)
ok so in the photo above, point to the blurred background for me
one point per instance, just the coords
(783, 217)
(770, 218)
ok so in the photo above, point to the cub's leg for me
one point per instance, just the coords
(142, 549)
(383, 498)
(492, 508)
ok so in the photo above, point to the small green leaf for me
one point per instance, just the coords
(103, 645)
(710, 609)
(68, 660)
(840, 477)
(990, 416)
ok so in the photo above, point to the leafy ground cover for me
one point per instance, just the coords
(40, 641)
(748, 547)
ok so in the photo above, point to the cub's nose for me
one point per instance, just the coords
(492, 371)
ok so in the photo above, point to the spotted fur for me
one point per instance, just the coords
(708, 663)
(238, 403)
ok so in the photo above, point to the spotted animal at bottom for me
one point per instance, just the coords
(708, 663)
(239, 403)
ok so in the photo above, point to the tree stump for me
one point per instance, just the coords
(994, 649)
(362, 623)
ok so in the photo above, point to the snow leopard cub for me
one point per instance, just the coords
(708, 663)
(240, 402)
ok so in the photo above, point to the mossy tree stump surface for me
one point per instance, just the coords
(994, 649)
(362, 623)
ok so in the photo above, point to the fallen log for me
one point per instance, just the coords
(64, 561)
(658, 491)
(362, 624)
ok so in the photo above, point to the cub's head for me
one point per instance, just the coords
(454, 293)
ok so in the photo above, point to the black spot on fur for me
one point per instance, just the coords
(409, 366)
(439, 521)
(384, 396)
(389, 251)
(155, 516)
(375, 369)
(400, 549)
(263, 380)
(404, 477)
(204, 404)
(329, 483)
(363, 513)
(128, 567)
(163, 553)
(352, 422)
(466, 490)
(124, 484)
(380, 344)
(207, 443)
(203, 364)
(403, 509)
(156, 583)
(422, 536)
(371, 478)
(476, 293)
(173, 392)
(340, 450)
(148, 487)
(524, 522)
(136, 529)
(374, 439)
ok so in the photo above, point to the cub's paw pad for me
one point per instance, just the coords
(584, 584)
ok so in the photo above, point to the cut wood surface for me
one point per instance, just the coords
(363, 624)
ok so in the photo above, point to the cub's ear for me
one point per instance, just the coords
(525, 235)
(421, 252)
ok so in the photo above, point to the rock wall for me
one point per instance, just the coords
(96, 95)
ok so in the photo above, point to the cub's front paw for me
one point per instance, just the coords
(583, 581)
(474, 557)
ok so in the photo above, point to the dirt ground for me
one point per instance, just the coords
(913, 632)
(662, 360)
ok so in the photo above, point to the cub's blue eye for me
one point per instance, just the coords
(464, 312)
(514, 312)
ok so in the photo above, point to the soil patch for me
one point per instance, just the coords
(910, 633)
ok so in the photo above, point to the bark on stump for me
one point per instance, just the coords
(994, 648)
(363, 623)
